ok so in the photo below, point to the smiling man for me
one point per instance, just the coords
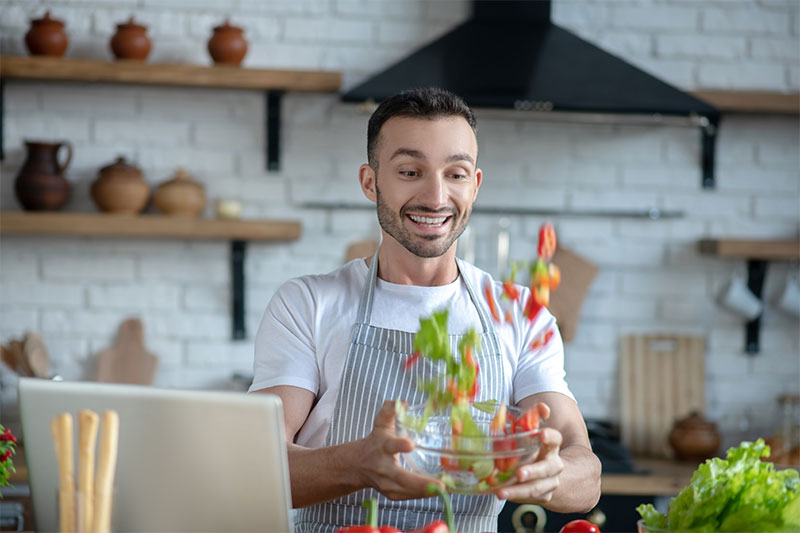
(333, 346)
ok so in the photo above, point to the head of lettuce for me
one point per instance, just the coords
(739, 493)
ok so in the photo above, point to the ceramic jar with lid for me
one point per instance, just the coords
(227, 45)
(120, 188)
(694, 438)
(130, 41)
(180, 196)
(46, 37)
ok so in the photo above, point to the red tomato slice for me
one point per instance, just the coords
(505, 464)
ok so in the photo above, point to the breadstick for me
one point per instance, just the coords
(106, 464)
(61, 427)
(87, 426)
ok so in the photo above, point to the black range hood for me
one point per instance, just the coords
(509, 55)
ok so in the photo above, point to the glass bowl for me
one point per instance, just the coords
(467, 464)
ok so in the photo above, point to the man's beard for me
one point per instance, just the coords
(421, 246)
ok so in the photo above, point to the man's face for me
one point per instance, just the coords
(426, 182)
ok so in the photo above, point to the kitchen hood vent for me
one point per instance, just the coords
(509, 55)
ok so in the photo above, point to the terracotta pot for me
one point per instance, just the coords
(40, 184)
(46, 37)
(694, 439)
(180, 196)
(227, 45)
(130, 41)
(120, 188)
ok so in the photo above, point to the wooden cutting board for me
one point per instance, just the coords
(127, 360)
(662, 378)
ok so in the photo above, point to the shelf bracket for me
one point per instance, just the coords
(237, 288)
(756, 273)
(2, 118)
(708, 133)
(273, 125)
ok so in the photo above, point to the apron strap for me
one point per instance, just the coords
(368, 292)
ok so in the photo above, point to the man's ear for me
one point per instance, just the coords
(478, 180)
(366, 177)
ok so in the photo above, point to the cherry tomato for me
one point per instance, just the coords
(579, 526)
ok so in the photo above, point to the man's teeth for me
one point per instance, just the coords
(428, 221)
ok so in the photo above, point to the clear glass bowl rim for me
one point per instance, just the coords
(469, 438)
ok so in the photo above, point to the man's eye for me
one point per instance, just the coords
(459, 176)
(409, 173)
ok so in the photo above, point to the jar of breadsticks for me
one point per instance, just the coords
(86, 486)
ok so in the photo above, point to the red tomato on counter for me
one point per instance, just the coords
(579, 526)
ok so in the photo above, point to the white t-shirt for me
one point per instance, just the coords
(306, 330)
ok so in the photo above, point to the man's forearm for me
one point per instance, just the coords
(322, 474)
(579, 483)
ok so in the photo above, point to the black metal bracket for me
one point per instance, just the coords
(708, 135)
(237, 288)
(2, 118)
(273, 125)
(756, 273)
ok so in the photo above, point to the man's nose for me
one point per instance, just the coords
(435, 194)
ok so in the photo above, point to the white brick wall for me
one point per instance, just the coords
(77, 290)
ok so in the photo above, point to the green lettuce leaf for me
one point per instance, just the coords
(739, 493)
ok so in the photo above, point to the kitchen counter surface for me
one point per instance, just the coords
(656, 477)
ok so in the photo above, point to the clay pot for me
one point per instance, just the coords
(46, 37)
(130, 41)
(180, 196)
(120, 188)
(227, 45)
(40, 184)
(694, 439)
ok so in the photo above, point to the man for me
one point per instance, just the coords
(333, 346)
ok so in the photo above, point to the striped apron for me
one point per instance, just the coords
(374, 373)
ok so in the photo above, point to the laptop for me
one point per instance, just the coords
(187, 460)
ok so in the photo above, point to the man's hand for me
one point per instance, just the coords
(538, 480)
(380, 465)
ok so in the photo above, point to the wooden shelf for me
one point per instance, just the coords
(176, 74)
(157, 226)
(752, 249)
(161, 227)
(751, 101)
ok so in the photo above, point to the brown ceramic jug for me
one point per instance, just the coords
(130, 41)
(181, 196)
(694, 438)
(46, 37)
(40, 184)
(120, 188)
(227, 45)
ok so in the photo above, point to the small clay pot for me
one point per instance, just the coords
(227, 45)
(46, 37)
(180, 196)
(694, 439)
(120, 188)
(130, 41)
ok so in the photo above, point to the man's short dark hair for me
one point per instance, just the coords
(426, 102)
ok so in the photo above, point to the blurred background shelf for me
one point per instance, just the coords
(140, 72)
(159, 226)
